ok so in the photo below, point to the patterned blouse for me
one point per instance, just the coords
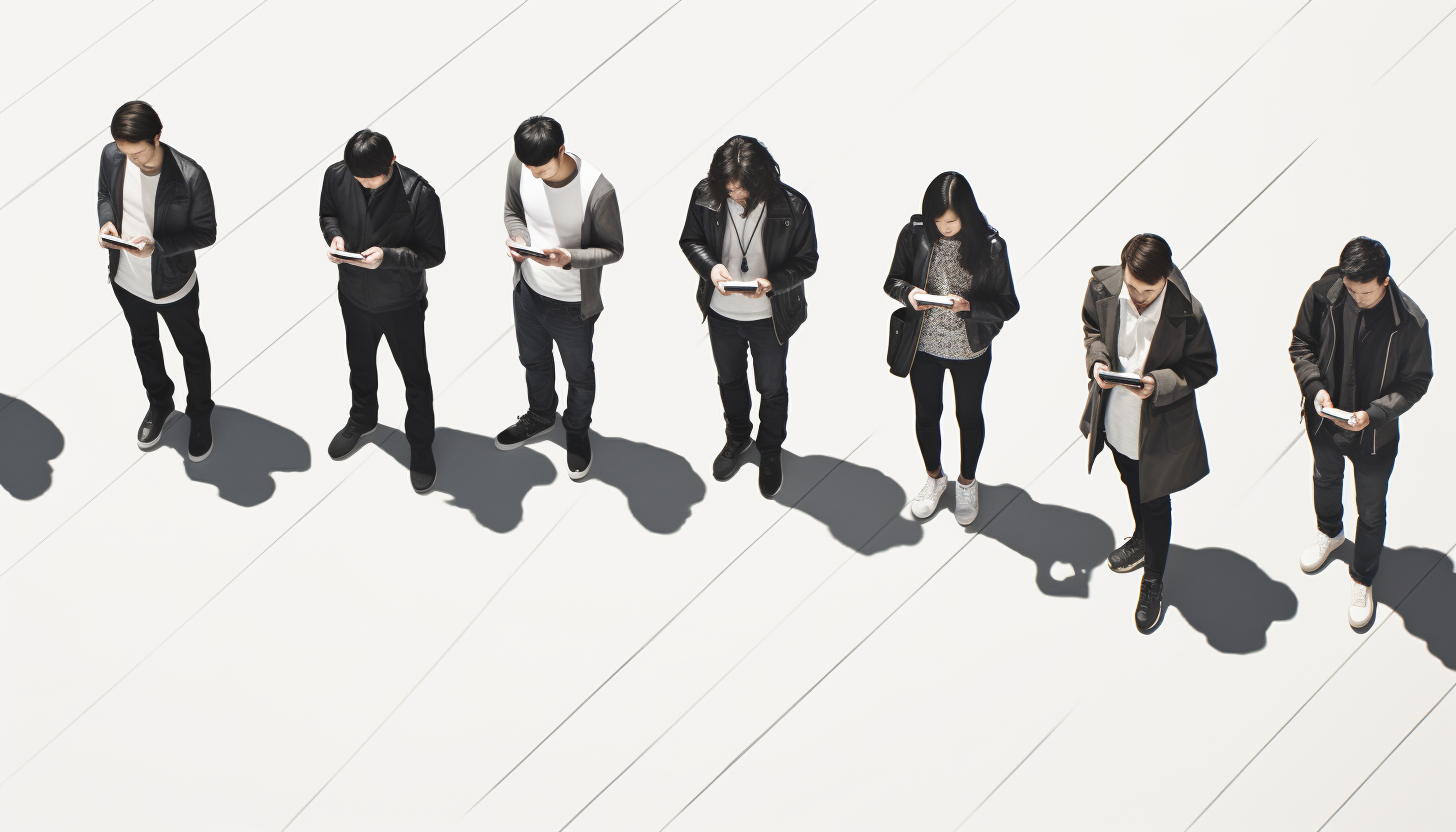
(943, 333)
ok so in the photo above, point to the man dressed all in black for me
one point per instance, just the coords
(388, 216)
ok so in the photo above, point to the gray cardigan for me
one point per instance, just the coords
(601, 235)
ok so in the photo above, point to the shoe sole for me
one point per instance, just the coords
(513, 446)
(427, 489)
(578, 476)
(774, 494)
(1130, 567)
(147, 446)
(352, 450)
(1355, 626)
(968, 521)
(1153, 626)
(1318, 566)
(205, 454)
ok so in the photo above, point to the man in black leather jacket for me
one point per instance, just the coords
(746, 227)
(161, 205)
(387, 217)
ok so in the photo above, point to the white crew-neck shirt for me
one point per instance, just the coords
(1134, 337)
(735, 237)
(138, 212)
(554, 214)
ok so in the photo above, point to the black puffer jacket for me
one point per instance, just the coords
(790, 248)
(992, 298)
(183, 222)
(403, 219)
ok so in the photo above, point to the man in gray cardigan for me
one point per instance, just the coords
(566, 211)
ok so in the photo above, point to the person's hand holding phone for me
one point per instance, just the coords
(337, 244)
(517, 240)
(1097, 370)
(373, 257)
(108, 228)
(719, 275)
(145, 245)
(557, 258)
(1146, 390)
(961, 304)
(914, 293)
(764, 287)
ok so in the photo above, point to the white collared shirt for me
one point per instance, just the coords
(1134, 336)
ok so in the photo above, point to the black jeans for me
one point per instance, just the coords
(540, 322)
(927, 382)
(1154, 519)
(146, 342)
(404, 329)
(1372, 478)
(732, 342)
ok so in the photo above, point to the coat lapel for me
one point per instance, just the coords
(1170, 332)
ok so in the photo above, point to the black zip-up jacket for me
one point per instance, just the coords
(790, 248)
(403, 218)
(183, 221)
(992, 297)
(1407, 366)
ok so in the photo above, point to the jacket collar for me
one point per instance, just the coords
(1179, 301)
(778, 202)
(1399, 303)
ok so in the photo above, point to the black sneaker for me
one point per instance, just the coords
(578, 455)
(1128, 556)
(199, 442)
(526, 428)
(770, 474)
(150, 433)
(346, 441)
(1150, 605)
(725, 464)
(422, 481)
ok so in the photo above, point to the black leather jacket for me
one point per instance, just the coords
(993, 296)
(183, 222)
(403, 219)
(790, 248)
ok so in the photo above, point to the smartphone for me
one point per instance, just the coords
(527, 251)
(1124, 379)
(942, 301)
(747, 286)
(1342, 415)
(347, 255)
(117, 241)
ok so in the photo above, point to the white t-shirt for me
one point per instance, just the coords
(1134, 336)
(138, 210)
(735, 237)
(554, 214)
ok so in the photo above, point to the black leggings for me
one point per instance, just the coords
(927, 382)
(1154, 518)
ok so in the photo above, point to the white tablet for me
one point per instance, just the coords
(117, 241)
(943, 301)
(1124, 379)
(347, 255)
(1334, 413)
(749, 286)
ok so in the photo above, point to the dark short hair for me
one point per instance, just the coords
(368, 154)
(744, 159)
(135, 121)
(538, 140)
(1148, 258)
(1363, 260)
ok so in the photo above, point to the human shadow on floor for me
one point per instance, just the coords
(28, 443)
(1429, 608)
(489, 483)
(247, 450)
(1226, 597)
(851, 500)
(1065, 544)
(661, 487)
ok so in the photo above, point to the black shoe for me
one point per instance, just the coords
(1150, 605)
(422, 481)
(151, 430)
(578, 455)
(346, 441)
(1128, 556)
(199, 442)
(725, 464)
(526, 428)
(770, 474)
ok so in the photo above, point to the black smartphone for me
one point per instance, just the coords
(1124, 379)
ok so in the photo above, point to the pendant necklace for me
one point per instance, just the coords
(742, 246)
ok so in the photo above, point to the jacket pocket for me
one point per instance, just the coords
(1180, 422)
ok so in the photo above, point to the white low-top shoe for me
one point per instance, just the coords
(968, 502)
(1313, 556)
(929, 497)
(1362, 604)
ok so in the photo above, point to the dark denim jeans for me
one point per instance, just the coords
(405, 331)
(732, 342)
(1372, 479)
(540, 322)
(1153, 519)
(146, 341)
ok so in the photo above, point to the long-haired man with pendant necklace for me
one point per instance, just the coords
(751, 240)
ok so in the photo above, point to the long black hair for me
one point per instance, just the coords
(951, 192)
(744, 159)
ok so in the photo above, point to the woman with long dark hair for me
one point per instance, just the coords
(949, 255)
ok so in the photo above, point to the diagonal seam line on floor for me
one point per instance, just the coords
(76, 56)
(1014, 769)
(870, 634)
(568, 92)
(660, 630)
(103, 130)
(1403, 57)
(1317, 690)
(1226, 225)
(436, 664)
(58, 361)
(1159, 145)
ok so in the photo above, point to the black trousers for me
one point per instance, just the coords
(733, 342)
(1154, 519)
(541, 322)
(146, 341)
(1372, 479)
(927, 382)
(404, 329)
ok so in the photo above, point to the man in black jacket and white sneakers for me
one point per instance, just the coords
(161, 204)
(388, 217)
(1362, 354)
(745, 226)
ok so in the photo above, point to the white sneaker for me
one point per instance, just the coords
(929, 497)
(1313, 556)
(968, 503)
(1362, 604)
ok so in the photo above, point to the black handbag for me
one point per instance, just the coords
(897, 334)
